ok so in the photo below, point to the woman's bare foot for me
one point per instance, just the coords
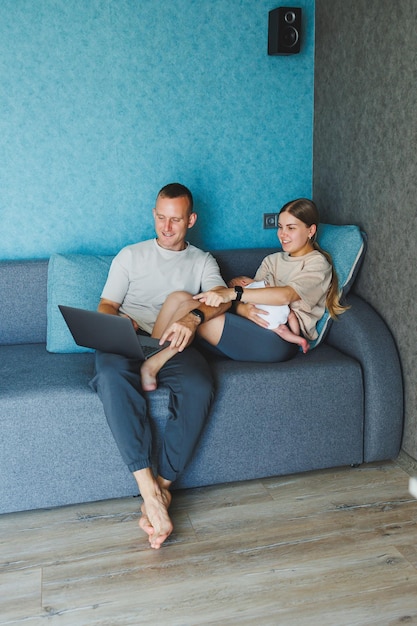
(155, 521)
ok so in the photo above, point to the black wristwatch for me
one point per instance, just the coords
(199, 314)
(239, 293)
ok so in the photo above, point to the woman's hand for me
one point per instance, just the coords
(217, 297)
(252, 313)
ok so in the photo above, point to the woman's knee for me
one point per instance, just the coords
(177, 298)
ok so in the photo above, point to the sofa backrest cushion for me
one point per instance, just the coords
(347, 246)
(77, 280)
(74, 280)
(23, 301)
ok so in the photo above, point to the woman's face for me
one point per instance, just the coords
(294, 235)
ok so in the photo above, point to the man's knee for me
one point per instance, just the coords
(107, 363)
(112, 371)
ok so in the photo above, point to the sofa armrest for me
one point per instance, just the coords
(362, 334)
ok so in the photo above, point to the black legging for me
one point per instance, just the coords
(243, 340)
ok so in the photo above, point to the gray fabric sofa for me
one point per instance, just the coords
(340, 404)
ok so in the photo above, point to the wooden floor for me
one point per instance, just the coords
(335, 547)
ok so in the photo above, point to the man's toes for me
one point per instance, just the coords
(144, 522)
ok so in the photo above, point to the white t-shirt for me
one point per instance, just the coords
(142, 275)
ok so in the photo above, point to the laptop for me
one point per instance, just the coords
(108, 333)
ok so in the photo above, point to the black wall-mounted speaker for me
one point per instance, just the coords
(284, 30)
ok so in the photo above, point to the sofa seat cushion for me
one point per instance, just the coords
(313, 418)
(308, 414)
(55, 429)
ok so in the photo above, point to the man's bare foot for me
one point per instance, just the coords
(144, 522)
(155, 521)
(148, 376)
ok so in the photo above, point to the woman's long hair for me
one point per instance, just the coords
(306, 211)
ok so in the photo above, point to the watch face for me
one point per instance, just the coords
(198, 313)
(239, 292)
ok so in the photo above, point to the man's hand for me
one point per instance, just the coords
(134, 322)
(112, 308)
(181, 333)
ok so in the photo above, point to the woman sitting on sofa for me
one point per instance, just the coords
(300, 276)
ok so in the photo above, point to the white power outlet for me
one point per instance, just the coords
(270, 220)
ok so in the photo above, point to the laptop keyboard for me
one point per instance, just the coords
(147, 350)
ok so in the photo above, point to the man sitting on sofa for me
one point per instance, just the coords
(141, 276)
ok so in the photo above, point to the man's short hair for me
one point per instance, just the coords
(176, 190)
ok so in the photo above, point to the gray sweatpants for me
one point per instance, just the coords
(189, 380)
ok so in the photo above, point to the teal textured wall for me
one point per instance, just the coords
(104, 101)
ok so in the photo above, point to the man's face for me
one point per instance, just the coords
(172, 220)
